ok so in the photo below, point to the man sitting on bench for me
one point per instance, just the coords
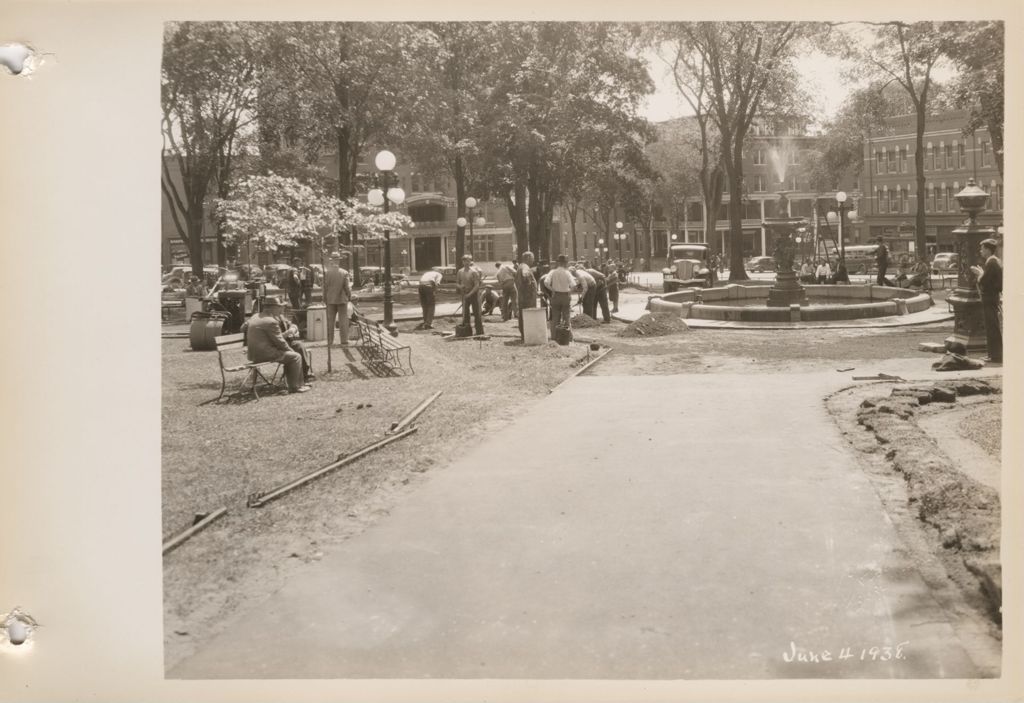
(266, 343)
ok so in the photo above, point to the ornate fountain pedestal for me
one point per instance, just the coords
(787, 289)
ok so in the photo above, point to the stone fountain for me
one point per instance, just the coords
(787, 289)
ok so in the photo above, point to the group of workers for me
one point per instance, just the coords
(518, 288)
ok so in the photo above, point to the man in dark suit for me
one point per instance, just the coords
(265, 342)
(990, 285)
(882, 261)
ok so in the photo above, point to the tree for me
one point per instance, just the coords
(339, 86)
(209, 85)
(744, 71)
(560, 91)
(442, 120)
(977, 49)
(674, 157)
(906, 54)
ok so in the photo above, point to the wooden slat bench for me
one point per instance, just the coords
(231, 345)
(377, 345)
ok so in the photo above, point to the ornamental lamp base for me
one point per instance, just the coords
(968, 326)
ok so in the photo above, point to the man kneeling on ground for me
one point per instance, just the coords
(265, 342)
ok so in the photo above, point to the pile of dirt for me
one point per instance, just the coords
(582, 321)
(657, 324)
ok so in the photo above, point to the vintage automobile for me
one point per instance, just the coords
(761, 264)
(690, 267)
(945, 262)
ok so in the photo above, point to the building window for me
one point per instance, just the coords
(759, 183)
(894, 200)
(906, 200)
(986, 153)
(933, 157)
(947, 151)
(995, 192)
(961, 156)
(951, 204)
(903, 160)
(882, 202)
(929, 198)
(759, 157)
(878, 162)
(890, 158)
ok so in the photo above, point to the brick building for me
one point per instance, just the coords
(890, 204)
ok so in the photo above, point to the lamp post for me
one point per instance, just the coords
(405, 258)
(968, 322)
(383, 195)
(841, 200)
(600, 248)
(471, 203)
(619, 236)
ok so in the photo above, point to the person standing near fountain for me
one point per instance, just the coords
(990, 285)
(882, 261)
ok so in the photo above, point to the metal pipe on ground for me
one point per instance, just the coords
(413, 414)
(257, 500)
(203, 523)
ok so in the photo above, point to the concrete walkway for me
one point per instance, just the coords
(699, 540)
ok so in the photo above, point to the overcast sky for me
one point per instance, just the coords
(822, 75)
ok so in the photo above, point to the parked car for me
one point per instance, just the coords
(761, 264)
(448, 274)
(178, 276)
(375, 275)
(690, 267)
(945, 261)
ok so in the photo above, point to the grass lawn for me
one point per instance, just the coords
(216, 454)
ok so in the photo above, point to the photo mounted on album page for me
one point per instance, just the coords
(545, 354)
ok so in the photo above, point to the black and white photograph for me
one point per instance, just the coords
(518, 356)
(582, 350)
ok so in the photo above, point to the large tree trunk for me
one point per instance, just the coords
(919, 234)
(571, 211)
(533, 211)
(515, 199)
(737, 271)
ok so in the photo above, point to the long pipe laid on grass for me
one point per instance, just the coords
(202, 524)
(416, 412)
(260, 499)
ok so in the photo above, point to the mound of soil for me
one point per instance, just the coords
(656, 324)
(581, 321)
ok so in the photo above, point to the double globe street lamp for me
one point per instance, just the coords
(385, 163)
(833, 218)
(619, 236)
(461, 222)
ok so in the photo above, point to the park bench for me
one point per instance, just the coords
(378, 346)
(230, 345)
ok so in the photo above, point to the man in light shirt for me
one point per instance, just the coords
(429, 283)
(562, 283)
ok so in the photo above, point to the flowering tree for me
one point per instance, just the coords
(269, 212)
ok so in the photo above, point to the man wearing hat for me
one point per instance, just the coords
(990, 285)
(882, 261)
(468, 280)
(337, 293)
(265, 342)
(195, 288)
(562, 283)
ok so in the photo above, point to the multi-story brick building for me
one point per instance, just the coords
(890, 187)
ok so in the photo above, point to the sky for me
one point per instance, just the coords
(822, 76)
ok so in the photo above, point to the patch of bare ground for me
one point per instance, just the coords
(217, 454)
(950, 520)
